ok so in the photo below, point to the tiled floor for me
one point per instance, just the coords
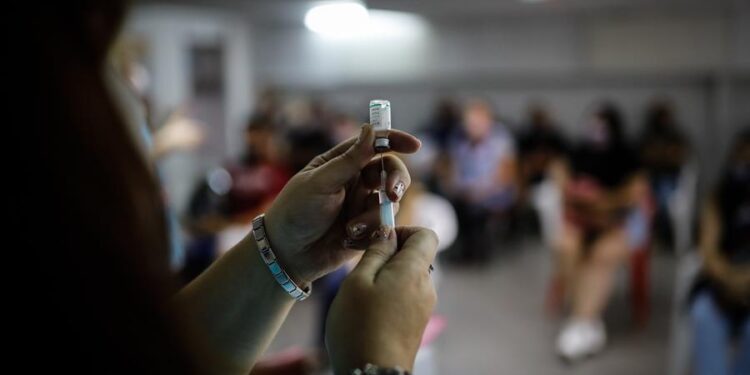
(497, 325)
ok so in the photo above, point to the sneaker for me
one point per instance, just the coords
(581, 338)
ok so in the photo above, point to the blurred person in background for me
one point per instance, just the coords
(446, 117)
(308, 130)
(720, 301)
(225, 201)
(433, 156)
(261, 172)
(539, 144)
(109, 299)
(663, 150)
(480, 178)
(343, 126)
(420, 207)
(602, 187)
(268, 105)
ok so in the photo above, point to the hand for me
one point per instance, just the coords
(382, 307)
(329, 208)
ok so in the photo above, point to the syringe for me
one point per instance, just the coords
(380, 119)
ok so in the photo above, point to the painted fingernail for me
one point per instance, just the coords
(382, 233)
(399, 189)
(357, 230)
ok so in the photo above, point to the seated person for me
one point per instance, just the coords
(480, 177)
(720, 303)
(233, 195)
(539, 144)
(663, 150)
(260, 175)
(602, 187)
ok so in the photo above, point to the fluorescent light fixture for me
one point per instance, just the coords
(351, 20)
(338, 18)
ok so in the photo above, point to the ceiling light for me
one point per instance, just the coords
(338, 18)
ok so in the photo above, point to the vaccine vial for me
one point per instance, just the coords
(380, 119)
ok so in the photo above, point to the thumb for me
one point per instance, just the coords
(381, 249)
(340, 169)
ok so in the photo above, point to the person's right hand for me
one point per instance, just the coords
(382, 307)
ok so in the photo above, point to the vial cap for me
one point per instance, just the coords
(382, 144)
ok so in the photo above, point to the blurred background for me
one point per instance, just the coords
(571, 148)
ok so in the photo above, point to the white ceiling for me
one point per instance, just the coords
(291, 12)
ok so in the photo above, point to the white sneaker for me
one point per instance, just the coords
(581, 338)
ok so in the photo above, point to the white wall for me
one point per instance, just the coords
(658, 42)
(170, 32)
(637, 42)
(740, 31)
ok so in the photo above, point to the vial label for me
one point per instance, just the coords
(380, 115)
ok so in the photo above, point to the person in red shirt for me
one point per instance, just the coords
(261, 173)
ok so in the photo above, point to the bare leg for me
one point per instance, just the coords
(568, 253)
(595, 275)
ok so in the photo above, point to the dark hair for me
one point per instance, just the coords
(659, 117)
(741, 140)
(259, 122)
(612, 118)
(732, 196)
(108, 278)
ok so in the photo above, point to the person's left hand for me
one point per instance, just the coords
(329, 208)
(382, 308)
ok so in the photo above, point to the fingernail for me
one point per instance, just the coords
(399, 189)
(382, 233)
(357, 230)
